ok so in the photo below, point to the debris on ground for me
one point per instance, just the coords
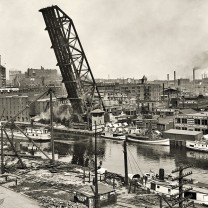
(53, 184)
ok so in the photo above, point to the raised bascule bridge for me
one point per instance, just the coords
(71, 59)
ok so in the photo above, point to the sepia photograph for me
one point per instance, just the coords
(103, 103)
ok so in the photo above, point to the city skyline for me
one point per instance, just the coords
(121, 39)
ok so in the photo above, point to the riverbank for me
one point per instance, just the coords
(54, 185)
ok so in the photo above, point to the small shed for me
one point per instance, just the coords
(86, 195)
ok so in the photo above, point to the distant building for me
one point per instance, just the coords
(192, 122)
(2, 76)
(12, 75)
(11, 105)
(39, 73)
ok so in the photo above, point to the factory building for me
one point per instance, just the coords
(11, 105)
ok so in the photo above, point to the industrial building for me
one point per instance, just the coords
(192, 122)
(11, 105)
(2, 76)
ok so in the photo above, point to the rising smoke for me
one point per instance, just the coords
(200, 61)
(60, 113)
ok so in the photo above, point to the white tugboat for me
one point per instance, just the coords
(36, 134)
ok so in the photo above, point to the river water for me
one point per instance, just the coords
(141, 158)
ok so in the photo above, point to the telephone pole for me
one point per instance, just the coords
(179, 197)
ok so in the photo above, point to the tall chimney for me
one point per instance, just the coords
(167, 80)
(193, 75)
(163, 91)
(175, 78)
(194, 78)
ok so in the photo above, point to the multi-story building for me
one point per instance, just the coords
(12, 75)
(192, 122)
(38, 73)
(11, 105)
(37, 78)
(2, 76)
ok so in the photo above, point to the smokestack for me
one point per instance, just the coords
(175, 78)
(163, 90)
(193, 75)
(194, 78)
(167, 80)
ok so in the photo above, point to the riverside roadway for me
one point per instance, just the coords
(11, 199)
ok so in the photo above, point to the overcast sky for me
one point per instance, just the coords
(121, 38)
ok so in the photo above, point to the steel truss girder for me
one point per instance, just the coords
(76, 72)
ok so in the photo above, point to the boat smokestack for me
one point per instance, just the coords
(161, 174)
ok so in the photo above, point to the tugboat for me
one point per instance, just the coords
(36, 134)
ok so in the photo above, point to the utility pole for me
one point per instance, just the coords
(126, 181)
(181, 182)
(97, 204)
(51, 123)
(2, 151)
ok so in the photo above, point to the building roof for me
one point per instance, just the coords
(97, 111)
(165, 120)
(183, 132)
(199, 114)
(89, 190)
(187, 111)
(2, 67)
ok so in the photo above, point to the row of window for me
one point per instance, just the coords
(205, 131)
(196, 121)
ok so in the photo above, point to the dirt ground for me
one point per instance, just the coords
(53, 185)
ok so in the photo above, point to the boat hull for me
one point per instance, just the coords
(122, 137)
(193, 145)
(163, 142)
(34, 138)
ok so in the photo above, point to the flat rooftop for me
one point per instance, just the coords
(200, 114)
(182, 132)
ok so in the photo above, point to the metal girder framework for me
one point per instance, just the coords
(77, 75)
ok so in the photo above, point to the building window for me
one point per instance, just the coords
(184, 120)
(197, 121)
(204, 121)
(177, 127)
(178, 120)
(197, 129)
(184, 128)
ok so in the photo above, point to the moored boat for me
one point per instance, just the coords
(115, 131)
(164, 184)
(199, 145)
(36, 134)
(113, 136)
(148, 140)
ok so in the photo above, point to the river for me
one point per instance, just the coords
(141, 158)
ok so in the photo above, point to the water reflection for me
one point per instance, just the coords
(80, 150)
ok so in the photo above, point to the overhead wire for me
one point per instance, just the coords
(135, 161)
